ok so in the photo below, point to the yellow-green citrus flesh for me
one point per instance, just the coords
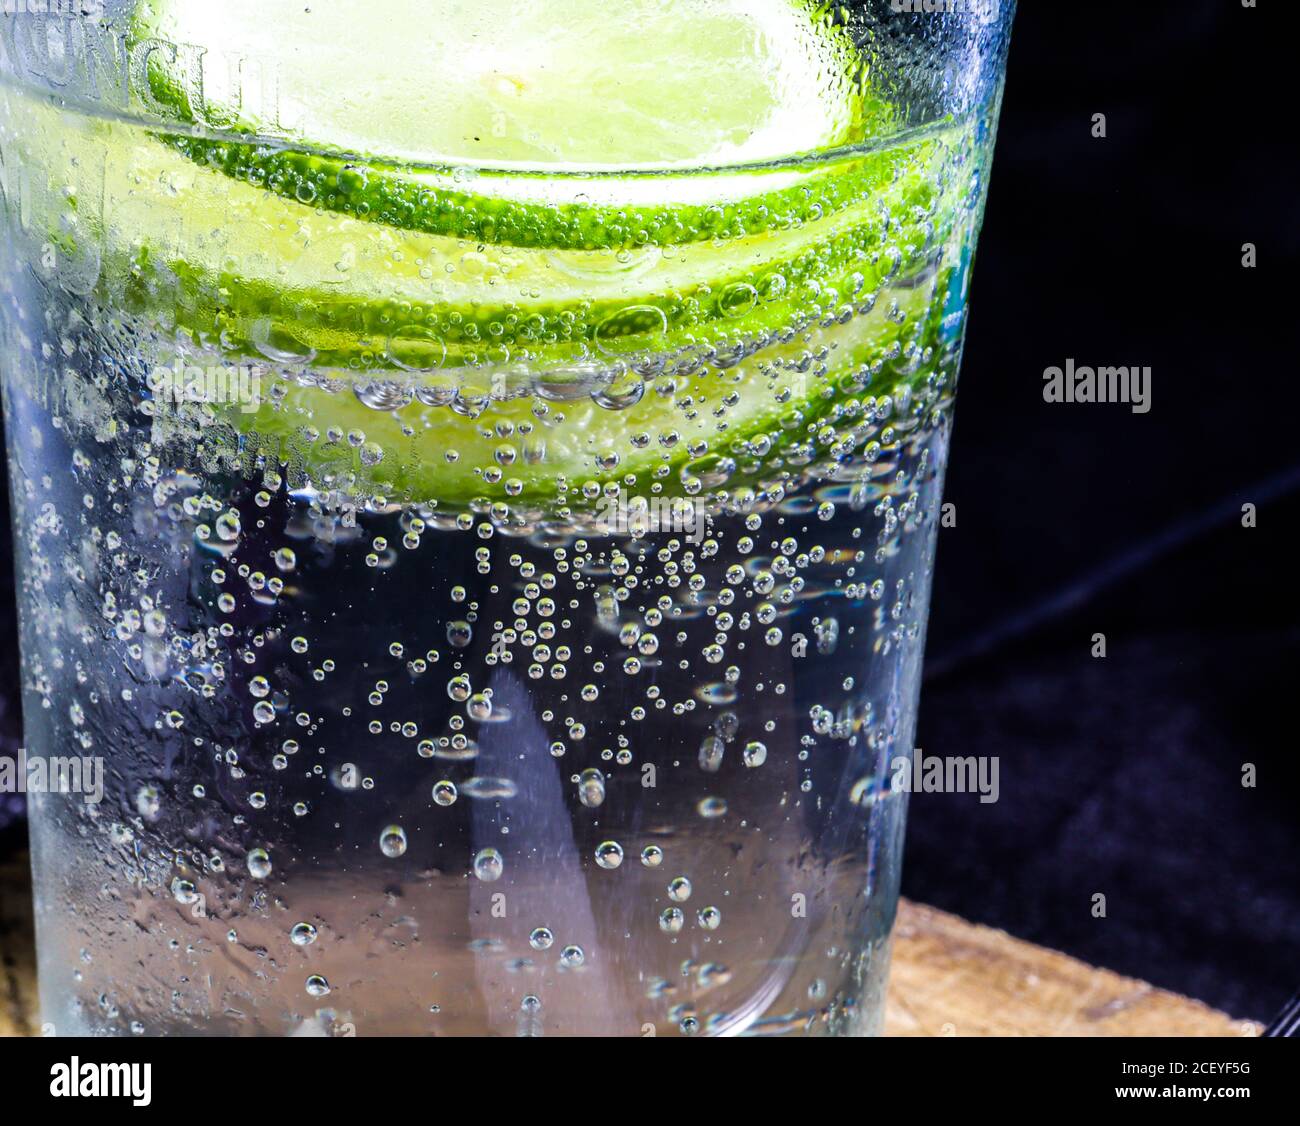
(602, 339)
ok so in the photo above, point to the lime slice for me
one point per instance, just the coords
(511, 83)
(423, 366)
(541, 446)
(545, 104)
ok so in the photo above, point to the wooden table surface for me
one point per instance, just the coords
(949, 978)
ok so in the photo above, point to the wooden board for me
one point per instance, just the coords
(949, 978)
(954, 978)
(17, 952)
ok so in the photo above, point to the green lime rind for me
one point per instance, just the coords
(383, 194)
(344, 330)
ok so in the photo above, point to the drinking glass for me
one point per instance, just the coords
(475, 470)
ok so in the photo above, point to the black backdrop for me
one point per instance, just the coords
(1120, 776)
(1123, 776)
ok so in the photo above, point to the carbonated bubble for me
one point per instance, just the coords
(671, 920)
(591, 788)
(709, 918)
(488, 865)
(392, 841)
(609, 854)
(317, 986)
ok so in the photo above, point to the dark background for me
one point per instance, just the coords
(1122, 775)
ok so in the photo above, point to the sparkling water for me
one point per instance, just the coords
(544, 761)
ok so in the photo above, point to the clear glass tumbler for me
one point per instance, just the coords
(475, 468)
